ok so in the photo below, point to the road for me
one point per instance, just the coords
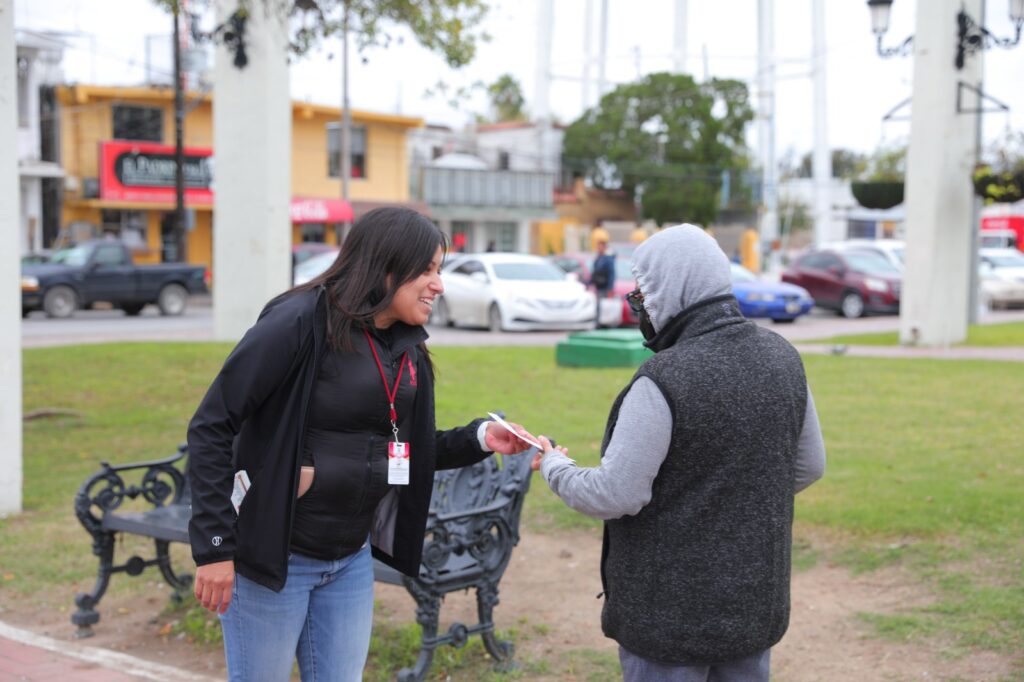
(196, 324)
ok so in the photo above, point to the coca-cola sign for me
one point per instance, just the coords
(307, 210)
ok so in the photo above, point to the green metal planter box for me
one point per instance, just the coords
(602, 348)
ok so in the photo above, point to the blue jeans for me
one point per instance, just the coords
(322, 617)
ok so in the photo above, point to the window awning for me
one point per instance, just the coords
(313, 210)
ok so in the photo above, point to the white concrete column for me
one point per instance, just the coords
(252, 122)
(938, 185)
(10, 274)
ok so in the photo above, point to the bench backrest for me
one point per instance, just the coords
(474, 519)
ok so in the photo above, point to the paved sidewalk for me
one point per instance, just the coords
(1007, 354)
(28, 657)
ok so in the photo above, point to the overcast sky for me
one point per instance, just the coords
(108, 45)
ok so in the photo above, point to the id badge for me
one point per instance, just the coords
(398, 463)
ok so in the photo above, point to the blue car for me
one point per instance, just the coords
(780, 301)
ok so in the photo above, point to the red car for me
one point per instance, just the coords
(579, 264)
(850, 282)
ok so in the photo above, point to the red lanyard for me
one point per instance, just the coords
(391, 393)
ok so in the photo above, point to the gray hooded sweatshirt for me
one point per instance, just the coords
(675, 269)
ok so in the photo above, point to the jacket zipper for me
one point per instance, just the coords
(368, 476)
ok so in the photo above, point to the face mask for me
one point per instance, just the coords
(646, 326)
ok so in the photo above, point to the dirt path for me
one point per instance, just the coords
(548, 596)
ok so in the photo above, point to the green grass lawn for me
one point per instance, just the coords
(925, 463)
(987, 335)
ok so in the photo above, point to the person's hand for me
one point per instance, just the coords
(499, 439)
(547, 447)
(213, 585)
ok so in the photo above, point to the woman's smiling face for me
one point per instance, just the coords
(414, 300)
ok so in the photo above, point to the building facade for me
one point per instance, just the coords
(39, 172)
(118, 155)
(484, 186)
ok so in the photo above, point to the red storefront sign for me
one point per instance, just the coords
(305, 210)
(144, 172)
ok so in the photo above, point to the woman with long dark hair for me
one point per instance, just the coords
(314, 450)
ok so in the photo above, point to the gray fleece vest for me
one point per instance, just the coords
(701, 574)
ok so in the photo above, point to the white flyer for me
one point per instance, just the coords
(241, 488)
(509, 428)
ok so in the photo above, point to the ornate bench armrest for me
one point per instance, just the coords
(161, 484)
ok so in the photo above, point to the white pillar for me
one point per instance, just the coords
(679, 38)
(769, 228)
(252, 145)
(822, 154)
(938, 186)
(10, 274)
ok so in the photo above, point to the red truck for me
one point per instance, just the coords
(1002, 232)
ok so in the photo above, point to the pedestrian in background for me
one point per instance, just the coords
(702, 455)
(324, 412)
(602, 277)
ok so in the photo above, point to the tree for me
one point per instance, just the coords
(887, 164)
(846, 164)
(446, 27)
(666, 140)
(507, 101)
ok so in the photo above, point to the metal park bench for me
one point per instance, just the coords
(471, 530)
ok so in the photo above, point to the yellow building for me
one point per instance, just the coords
(117, 150)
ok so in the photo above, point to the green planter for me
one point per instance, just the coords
(878, 194)
(998, 186)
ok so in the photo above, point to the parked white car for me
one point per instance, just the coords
(313, 267)
(510, 291)
(1002, 277)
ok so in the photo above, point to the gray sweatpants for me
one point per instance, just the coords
(751, 669)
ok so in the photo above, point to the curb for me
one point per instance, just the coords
(110, 660)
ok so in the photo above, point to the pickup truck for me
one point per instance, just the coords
(102, 270)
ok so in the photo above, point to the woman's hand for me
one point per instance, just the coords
(535, 464)
(214, 583)
(500, 439)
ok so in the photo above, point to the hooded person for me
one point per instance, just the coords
(702, 455)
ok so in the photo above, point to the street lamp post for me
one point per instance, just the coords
(936, 307)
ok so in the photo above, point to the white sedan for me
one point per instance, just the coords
(510, 291)
(1002, 278)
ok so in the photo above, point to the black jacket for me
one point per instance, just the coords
(253, 417)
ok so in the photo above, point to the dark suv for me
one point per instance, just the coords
(850, 282)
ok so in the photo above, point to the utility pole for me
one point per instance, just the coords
(822, 154)
(679, 38)
(345, 137)
(588, 56)
(542, 106)
(602, 56)
(10, 266)
(769, 227)
(973, 238)
(180, 236)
